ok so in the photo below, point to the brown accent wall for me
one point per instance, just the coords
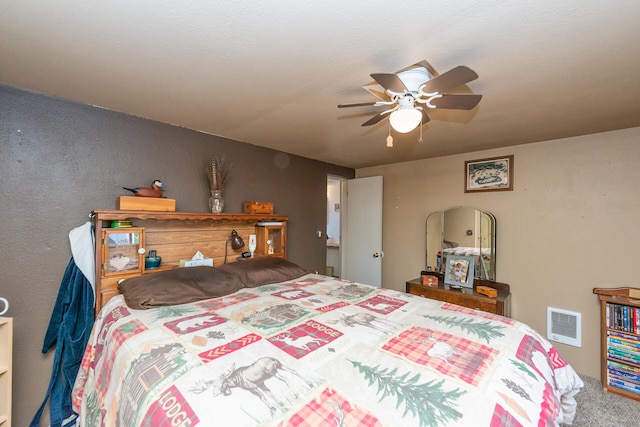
(59, 160)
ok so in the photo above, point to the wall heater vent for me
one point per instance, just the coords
(564, 326)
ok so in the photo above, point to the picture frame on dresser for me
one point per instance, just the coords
(460, 270)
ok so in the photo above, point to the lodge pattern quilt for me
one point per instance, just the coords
(319, 351)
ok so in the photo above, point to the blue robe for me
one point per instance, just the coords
(69, 330)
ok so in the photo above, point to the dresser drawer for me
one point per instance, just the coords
(465, 297)
(488, 306)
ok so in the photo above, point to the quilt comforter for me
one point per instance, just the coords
(319, 351)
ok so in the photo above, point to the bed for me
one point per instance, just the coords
(277, 346)
(468, 251)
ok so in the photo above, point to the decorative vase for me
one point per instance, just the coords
(216, 202)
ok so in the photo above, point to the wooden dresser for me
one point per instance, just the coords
(175, 236)
(466, 297)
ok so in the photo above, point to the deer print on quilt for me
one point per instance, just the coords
(319, 351)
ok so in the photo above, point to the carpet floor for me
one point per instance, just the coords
(597, 408)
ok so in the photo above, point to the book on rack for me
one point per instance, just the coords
(625, 385)
(622, 335)
(619, 320)
(621, 342)
(625, 357)
(626, 374)
(624, 371)
(624, 377)
(623, 350)
(630, 341)
(623, 317)
(622, 367)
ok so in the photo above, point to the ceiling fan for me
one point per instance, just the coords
(409, 92)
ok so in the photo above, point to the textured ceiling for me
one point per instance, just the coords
(271, 73)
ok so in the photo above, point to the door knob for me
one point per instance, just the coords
(378, 254)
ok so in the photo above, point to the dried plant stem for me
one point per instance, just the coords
(217, 171)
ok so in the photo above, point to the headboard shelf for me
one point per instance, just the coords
(177, 236)
(113, 215)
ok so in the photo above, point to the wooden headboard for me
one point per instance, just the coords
(177, 236)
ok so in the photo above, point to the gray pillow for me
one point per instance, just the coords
(178, 286)
(261, 271)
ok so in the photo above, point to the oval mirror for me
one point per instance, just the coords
(462, 231)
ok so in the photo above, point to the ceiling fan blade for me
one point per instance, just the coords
(457, 102)
(452, 78)
(378, 91)
(389, 81)
(375, 119)
(357, 104)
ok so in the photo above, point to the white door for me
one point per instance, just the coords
(362, 248)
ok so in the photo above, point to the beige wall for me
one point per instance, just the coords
(571, 224)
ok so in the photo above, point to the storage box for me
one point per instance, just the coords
(258, 208)
(488, 291)
(135, 203)
(429, 280)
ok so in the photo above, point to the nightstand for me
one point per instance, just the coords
(466, 297)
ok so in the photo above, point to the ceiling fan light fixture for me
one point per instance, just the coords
(414, 78)
(409, 92)
(405, 120)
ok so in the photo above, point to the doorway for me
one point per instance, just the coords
(334, 223)
(354, 229)
(361, 243)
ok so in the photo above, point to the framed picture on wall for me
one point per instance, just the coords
(459, 271)
(492, 174)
